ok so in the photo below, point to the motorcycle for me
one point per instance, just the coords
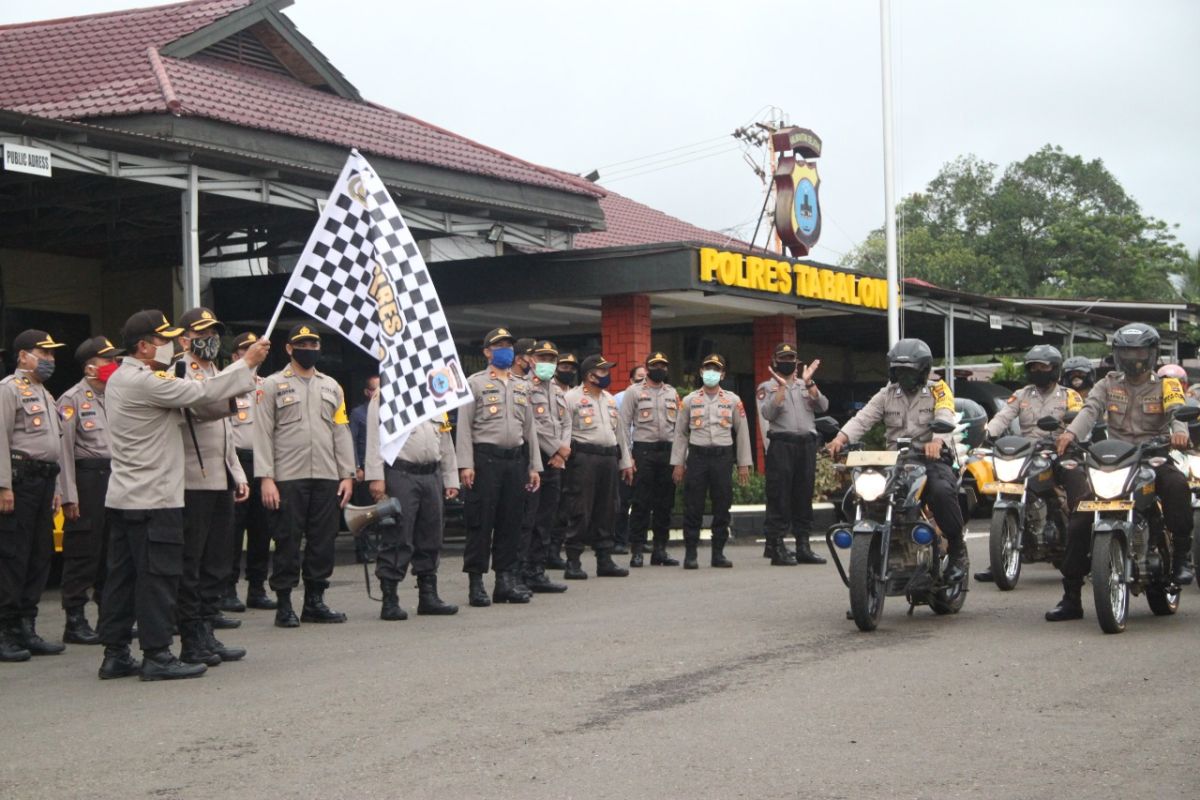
(1028, 519)
(1131, 551)
(895, 546)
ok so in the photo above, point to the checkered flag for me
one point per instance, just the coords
(362, 275)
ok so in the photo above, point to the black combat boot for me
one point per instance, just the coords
(574, 570)
(780, 555)
(607, 568)
(77, 629)
(11, 649)
(689, 556)
(257, 597)
(223, 623)
(1184, 572)
(428, 601)
(118, 663)
(230, 602)
(223, 651)
(718, 551)
(554, 559)
(193, 645)
(315, 610)
(162, 665)
(285, 617)
(391, 609)
(518, 578)
(508, 590)
(985, 576)
(29, 639)
(956, 570)
(476, 592)
(620, 549)
(538, 582)
(659, 557)
(1071, 605)
(804, 552)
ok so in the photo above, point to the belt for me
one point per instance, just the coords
(711, 452)
(794, 438)
(415, 469)
(507, 453)
(595, 449)
(93, 463)
(664, 446)
(25, 467)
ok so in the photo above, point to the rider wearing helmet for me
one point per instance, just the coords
(1079, 374)
(1043, 397)
(908, 405)
(1174, 371)
(1138, 405)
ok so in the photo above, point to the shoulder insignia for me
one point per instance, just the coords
(339, 416)
(1172, 392)
(166, 376)
(1074, 400)
(942, 396)
(68, 412)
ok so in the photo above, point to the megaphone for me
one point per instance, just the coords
(384, 512)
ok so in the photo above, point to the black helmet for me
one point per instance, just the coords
(1043, 354)
(1081, 365)
(909, 363)
(1135, 349)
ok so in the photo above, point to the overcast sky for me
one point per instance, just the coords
(579, 85)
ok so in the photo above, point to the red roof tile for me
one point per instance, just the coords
(103, 65)
(631, 223)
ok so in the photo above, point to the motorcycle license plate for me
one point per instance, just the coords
(1004, 488)
(1105, 505)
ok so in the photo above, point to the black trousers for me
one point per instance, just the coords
(308, 510)
(941, 498)
(207, 541)
(541, 539)
(708, 473)
(791, 474)
(589, 502)
(622, 525)
(416, 538)
(250, 525)
(529, 513)
(493, 509)
(85, 540)
(145, 561)
(1077, 555)
(26, 546)
(653, 493)
(1172, 488)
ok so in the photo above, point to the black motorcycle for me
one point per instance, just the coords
(895, 547)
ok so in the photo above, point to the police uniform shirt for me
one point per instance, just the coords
(213, 434)
(1135, 413)
(549, 415)
(499, 416)
(792, 412)
(242, 421)
(905, 415)
(427, 442)
(1030, 404)
(144, 425)
(650, 412)
(29, 424)
(301, 430)
(711, 420)
(85, 432)
(596, 421)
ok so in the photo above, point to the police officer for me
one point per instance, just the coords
(650, 409)
(621, 543)
(907, 406)
(145, 493)
(85, 470)
(250, 517)
(548, 402)
(1044, 397)
(710, 423)
(1138, 406)
(31, 451)
(423, 476)
(304, 459)
(788, 405)
(599, 458)
(566, 375)
(498, 460)
(213, 481)
(1078, 374)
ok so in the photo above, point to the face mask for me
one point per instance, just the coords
(566, 377)
(163, 354)
(603, 382)
(1042, 379)
(44, 369)
(502, 357)
(307, 359)
(1078, 382)
(711, 378)
(207, 349)
(658, 375)
(909, 379)
(785, 368)
(105, 371)
(544, 371)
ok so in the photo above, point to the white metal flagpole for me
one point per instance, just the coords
(889, 188)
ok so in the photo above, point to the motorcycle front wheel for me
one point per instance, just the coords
(866, 589)
(1109, 589)
(1004, 548)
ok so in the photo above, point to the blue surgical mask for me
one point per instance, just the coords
(544, 371)
(710, 377)
(502, 357)
(603, 381)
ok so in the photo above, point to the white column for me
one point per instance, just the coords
(191, 240)
(889, 188)
(949, 338)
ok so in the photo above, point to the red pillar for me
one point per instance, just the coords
(768, 332)
(624, 334)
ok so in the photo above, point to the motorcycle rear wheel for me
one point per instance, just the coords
(1004, 545)
(1109, 590)
(950, 599)
(866, 590)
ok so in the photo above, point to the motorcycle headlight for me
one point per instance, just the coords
(1008, 469)
(869, 485)
(1109, 485)
(1193, 465)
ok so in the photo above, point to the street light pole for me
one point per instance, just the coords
(889, 188)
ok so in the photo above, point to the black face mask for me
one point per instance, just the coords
(658, 375)
(566, 377)
(1042, 379)
(785, 368)
(307, 359)
(909, 380)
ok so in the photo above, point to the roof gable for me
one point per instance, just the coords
(629, 222)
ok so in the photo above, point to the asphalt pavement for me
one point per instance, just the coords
(735, 683)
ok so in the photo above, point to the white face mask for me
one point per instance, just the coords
(163, 353)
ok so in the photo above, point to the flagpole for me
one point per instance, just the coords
(274, 319)
(889, 189)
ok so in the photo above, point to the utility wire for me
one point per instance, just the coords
(663, 152)
(667, 166)
(727, 146)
